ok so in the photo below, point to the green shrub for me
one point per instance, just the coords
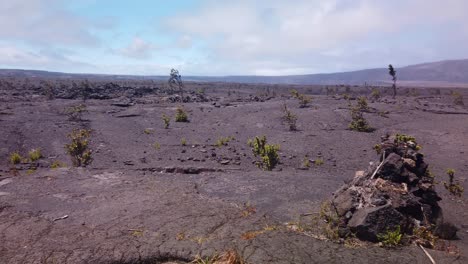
(35, 154)
(453, 186)
(294, 93)
(391, 238)
(375, 94)
(268, 154)
(75, 112)
(290, 118)
(156, 146)
(166, 119)
(15, 157)
(319, 162)
(78, 147)
(183, 142)
(56, 164)
(304, 100)
(181, 115)
(358, 122)
(306, 162)
(362, 104)
(223, 141)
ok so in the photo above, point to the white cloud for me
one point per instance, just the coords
(15, 57)
(137, 49)
(44, 22)
(305, 34)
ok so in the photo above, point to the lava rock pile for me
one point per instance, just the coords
(395, 193)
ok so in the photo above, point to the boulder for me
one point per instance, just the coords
(446, 230)
(368, 223)
(392, 168)
(345, 201)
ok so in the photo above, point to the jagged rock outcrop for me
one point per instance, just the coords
(396, 192)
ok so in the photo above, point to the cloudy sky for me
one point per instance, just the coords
(208, 37)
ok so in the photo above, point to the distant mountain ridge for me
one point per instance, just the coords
(448, 71)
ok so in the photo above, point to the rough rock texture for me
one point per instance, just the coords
(396, 192)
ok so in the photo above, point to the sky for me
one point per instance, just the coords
(229, 37)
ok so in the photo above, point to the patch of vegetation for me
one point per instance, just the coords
(453, 186)
(166, 119)
(30, 171)
(34, 154)
(148, 131)
(375, 94)
(78, 148)
(358, 122)
(319, 162)
(424, 236)
(181, 115)
(223, 141)
(268, 153)
(362, 104)
(331, 219)
(294, 93)
(247, 210)
(290, 118)
(183, 142)
(228, 257)
(457, 98)
(306, 162)
(378, 148)
(304, 100)
(391, 238)
(156, 145)
(75, 113)
(15, 158)
(56, 164)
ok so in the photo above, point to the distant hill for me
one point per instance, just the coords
(448, 72)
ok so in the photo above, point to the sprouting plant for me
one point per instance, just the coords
(183, 142)
(319, 162)
(15, 157)
(56, 164)
(304, 100)
(223, 141)
(362, 104)
(268, 154)
(181, 115)
(166, 119)
(391, 238)
(378, 148)
(290, 118)
(306, 162)
(148, 131)
(453, 186)
(35, 154)
(358, 122)
(156, 145)
(375, 94)
(402, 138)
(328, 214)
(294, 93)
(75, 113)
(78, 148)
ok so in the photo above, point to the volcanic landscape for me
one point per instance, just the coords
(193, 190)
